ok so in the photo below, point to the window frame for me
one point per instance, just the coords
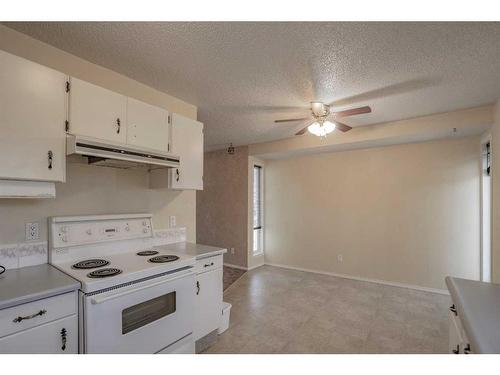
(258, 249)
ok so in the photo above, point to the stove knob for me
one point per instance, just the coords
(64, 239)
(144, 223)
(63, 229)
(127, 228)
(145, 230)
(88, 231)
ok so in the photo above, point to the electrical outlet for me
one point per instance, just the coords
(232, 250)
(172, 222)
(32, 231)
(339, 258)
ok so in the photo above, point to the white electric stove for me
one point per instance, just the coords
(134, 298)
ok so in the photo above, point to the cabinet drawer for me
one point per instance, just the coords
(29, 315)
(208, 264)
(60, 336)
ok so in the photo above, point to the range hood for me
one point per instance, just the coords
(116, 155)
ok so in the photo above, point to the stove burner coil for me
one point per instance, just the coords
(104, 272)
(90, 263)
(146, 253)
(163, 259)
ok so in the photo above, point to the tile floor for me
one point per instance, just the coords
(276, 310)
(231, 275)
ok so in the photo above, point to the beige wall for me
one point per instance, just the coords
(495, 174)
(222, 206)
(94, 190)
(405, 213)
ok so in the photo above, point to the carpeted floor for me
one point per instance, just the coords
(231, 275)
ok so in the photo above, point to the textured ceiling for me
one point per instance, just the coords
(242, 76)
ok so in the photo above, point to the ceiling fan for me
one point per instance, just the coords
(325, 121)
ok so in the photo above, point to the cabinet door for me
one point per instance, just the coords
(60, 336)
(147, 125)
(187, 142)
(208, 302)
(32, 117)
(456, 341)
(97, 112)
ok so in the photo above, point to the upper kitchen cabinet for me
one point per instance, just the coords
(147, 125)
(187, 143)
(32, 117)
(97, 112)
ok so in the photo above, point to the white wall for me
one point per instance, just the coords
(95, 190)
(406, 213)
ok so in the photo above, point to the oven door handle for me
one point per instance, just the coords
(97, 300)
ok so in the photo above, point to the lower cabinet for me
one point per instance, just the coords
(47, 326)
(208, 298)
(60, 336)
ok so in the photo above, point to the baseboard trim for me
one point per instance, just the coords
(254, 267)
(235, 266)
(358, 278)
(243, 268)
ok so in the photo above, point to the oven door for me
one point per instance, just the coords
(144, 317)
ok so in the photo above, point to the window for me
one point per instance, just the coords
(147, 312)
(258, 235)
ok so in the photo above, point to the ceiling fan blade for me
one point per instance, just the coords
(302, 131)
(352, 112)
(291, 120)
(342, 127)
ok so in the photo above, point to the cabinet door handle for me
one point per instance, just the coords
(63, 339)
(118, 124)
(177, 174)
(457, 350)
(197, 287)
(21, 318)
(208, 265)
(453, 309)
(467, 349)
(50, 156)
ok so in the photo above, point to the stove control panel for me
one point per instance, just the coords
(80, 232)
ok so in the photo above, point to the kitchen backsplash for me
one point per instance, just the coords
(26, 254)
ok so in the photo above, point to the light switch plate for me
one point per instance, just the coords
(32, 231)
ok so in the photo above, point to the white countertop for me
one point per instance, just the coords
(188, 248)
(478, 307)
(28, 284)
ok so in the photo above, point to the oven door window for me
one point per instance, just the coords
(147, 312)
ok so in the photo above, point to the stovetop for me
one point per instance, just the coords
(126, 267)
(106, 251)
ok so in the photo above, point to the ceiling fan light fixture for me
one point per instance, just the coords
(321, 130)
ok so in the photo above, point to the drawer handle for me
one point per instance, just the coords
(197, 287)
(21, 318)
(118, 124)
(177, 175)
(50, 156)
(63, 339)
(453, 309)
(457, 350)
(208, 265)
(467, 349)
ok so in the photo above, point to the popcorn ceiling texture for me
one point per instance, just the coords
(242, 76)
